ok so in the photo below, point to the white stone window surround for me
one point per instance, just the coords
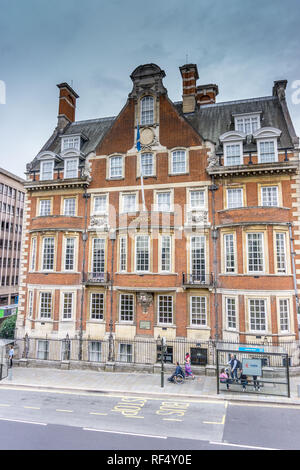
(267, 135)
(123, 253)
(198, 311)
(147, 163)
(71, 165)
(46, 170)
(99, 204)
(97, 306)
(126, 308)
(247, 122)
(197, 199)
(142, 253)
(129, 202)
(163, 200)
(45, 305)
(178, 161)
(69, 254)
(116, 168)
(165, 310)
(67, 305)
(69, 142)
(231, 313)
(48, 253)
(147, 104)
(229, 247)
(258, 315)
(233, 144)
(284, 315)
(69, 206)
(234, 197)
(256, 252)
(269, 196)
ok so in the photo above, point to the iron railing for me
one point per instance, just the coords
(97, 278)
(197, 278)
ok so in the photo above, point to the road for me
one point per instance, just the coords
(51, 420)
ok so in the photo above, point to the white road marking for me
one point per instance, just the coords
(241, 445)
(126, 433)
(21, 421)
(65, 411)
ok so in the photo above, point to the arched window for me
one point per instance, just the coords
(147, 110)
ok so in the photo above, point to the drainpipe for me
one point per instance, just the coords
(86, 196)
(294, 267)
(112, 237)
(215, 236)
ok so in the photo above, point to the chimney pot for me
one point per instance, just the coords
(189, 73)
(67, 104)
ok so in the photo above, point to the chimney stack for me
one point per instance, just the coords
(67, 105)
(206, 94)
(189, 73)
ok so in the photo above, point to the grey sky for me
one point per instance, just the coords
(243, 46)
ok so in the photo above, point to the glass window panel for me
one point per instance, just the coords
(147, 110)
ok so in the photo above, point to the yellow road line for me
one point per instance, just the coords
(32, 407)
(94, 413)
(214, 422)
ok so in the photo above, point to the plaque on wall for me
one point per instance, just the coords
(145, 325)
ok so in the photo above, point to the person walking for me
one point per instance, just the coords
(187, 366)
(11, 353)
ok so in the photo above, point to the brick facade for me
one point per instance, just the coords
(189, 299)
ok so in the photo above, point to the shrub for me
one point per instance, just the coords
(7, 328)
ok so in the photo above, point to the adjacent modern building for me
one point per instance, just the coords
(194, 237)
(12, 195)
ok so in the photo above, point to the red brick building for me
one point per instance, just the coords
(215, 251)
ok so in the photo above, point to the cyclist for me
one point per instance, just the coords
(178, 371)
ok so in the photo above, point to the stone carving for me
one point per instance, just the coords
(212, 160)
(99, 221)
(197, 217)
(145, 299)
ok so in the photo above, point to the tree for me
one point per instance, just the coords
(7, 328)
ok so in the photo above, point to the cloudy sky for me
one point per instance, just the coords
(243, 46)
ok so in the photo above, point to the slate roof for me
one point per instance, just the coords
(93, 129)
(210, 121)
(213, 120)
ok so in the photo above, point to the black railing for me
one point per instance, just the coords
(97, 278)
(197, 278)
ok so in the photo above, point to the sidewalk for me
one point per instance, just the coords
(139, 384)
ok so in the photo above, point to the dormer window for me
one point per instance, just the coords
(71, 168)
(46, 170)
(147, 110)
(233, 147)
(247, 123)
(70, 142)
(266, 139)
(233, 154)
